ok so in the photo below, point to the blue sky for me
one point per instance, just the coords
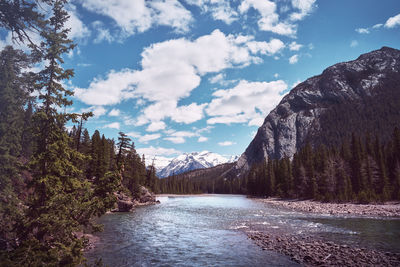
(192, 75)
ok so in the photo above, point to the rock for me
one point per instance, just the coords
(124, 202)
(298, 117)
(146, 196)
(125, 205)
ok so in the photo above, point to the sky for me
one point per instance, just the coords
(192, 75)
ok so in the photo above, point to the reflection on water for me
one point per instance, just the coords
(207, 231)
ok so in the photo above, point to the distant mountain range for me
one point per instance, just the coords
(192, 161)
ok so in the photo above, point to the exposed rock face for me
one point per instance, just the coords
(126, 203)
(146, 196)
(297, 118)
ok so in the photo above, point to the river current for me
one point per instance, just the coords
(210, 231)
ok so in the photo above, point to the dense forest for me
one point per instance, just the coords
(361, 169)
(53, 181)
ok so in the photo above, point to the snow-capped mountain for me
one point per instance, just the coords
(192, 161)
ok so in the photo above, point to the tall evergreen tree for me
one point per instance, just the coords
(62, 201)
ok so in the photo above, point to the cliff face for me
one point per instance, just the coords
(325, 108)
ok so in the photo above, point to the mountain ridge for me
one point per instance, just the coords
(310, 108)
(192, 161)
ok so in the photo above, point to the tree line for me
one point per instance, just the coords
(361, 169)
(53, 182)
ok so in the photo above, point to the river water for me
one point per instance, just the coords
(210, 231)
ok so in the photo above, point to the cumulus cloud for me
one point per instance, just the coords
(144, 138)
(217, 78)
(202, 139)
(362, 30)
(393, 21)
(294, 59)
(226, 143)
(219, 9)
(113, 125)
(269, 20)
(390, 23)
(140, 15)
(156, 126)
(305, 7)
(97, 110)
(78, 29)
(116, 87)
(102, 33)
(247, 102)
(152, 151)
(114, 112)
(171, 70)
(293, 46)
(179, 137)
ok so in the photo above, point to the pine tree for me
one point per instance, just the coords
(14, 89)
(62, 201)
(123, 146)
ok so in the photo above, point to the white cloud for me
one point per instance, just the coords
(226, 143)
(362, 30)
(217, 78)
(159, 154)
(219, 9)
(246, 102)
(113, 125)
(102, 33)
(353, 43)
(202, 139)
(296, 83)
(267, 48)
(305, 7)
(97, 110)
(171, 70)
(114, 112)
(269, 20)
(116, 87)
(179, 137)
(156, 126)
(149, 137)
(158, 151)
(140, 15)
(144, 138)
(393, 21)
(276, 75)
(84, 65)
(293, 46)
(175, 139)
(377, 26)
(78, 29)
(294, 59)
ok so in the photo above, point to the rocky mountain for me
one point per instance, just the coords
(358, 96)
(192, 161)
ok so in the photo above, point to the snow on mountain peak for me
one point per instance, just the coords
(191, 161)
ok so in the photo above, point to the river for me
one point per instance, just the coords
(210, 231)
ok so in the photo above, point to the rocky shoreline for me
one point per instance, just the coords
(390, 209)
(316, 251)
(126, 203)
(310, 251)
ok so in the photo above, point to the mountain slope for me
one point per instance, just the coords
(358, 96)
(192, 161)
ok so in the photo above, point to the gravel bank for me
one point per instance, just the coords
(310, 251)
(390, 209)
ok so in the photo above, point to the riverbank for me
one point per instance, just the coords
(183, 195)
(310, 251)
(390, 209)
